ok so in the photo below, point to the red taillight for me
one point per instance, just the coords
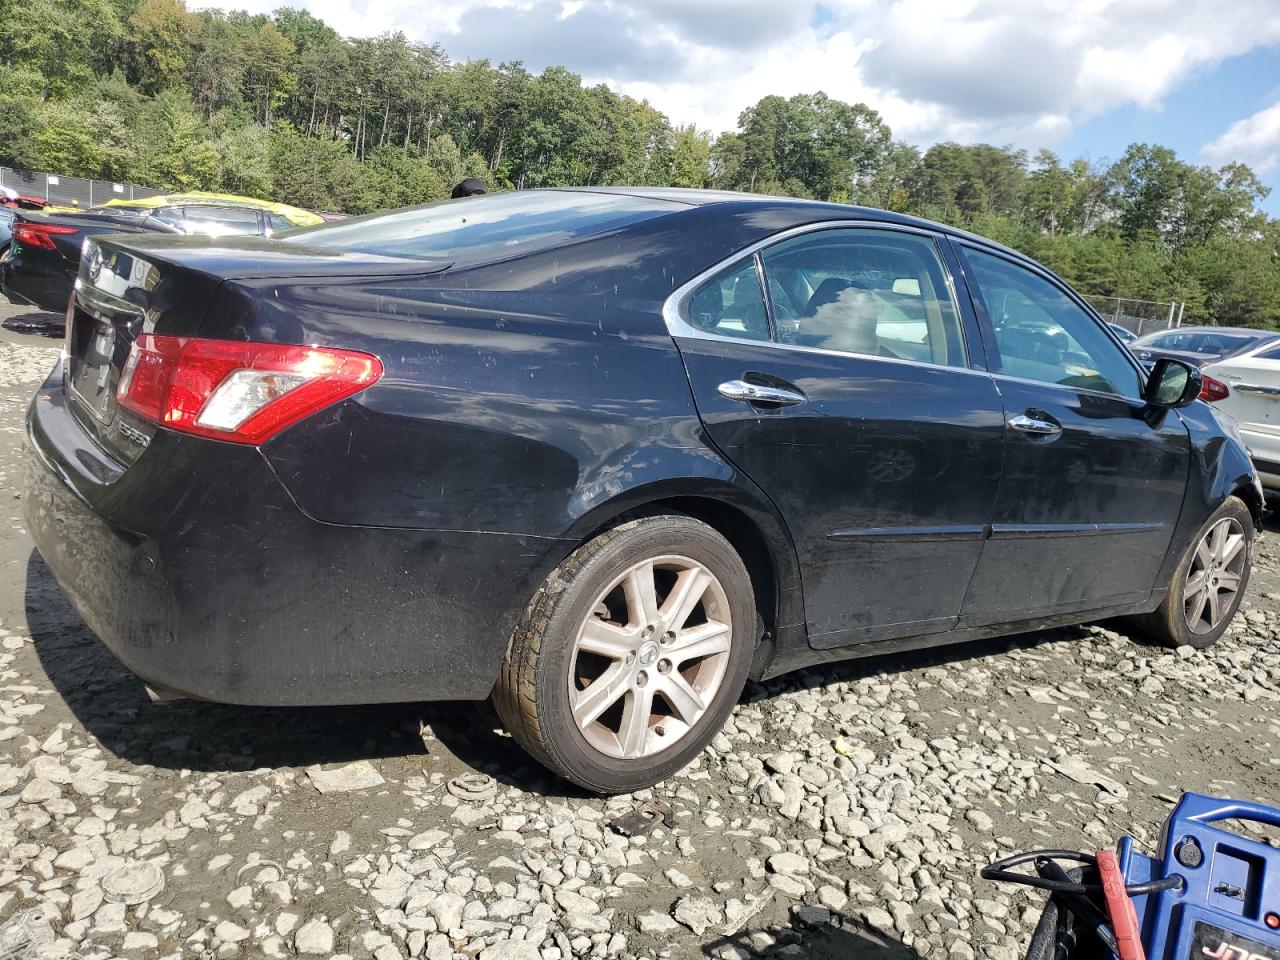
(230, 390)
(1213, 390)
(28, 234)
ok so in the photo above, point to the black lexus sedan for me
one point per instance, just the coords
(605, 454)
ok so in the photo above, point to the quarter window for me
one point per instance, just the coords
(731, 304)
(875, 292)
(1042, 334)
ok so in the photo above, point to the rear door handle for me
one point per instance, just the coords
(760, 393)
(1034, 425)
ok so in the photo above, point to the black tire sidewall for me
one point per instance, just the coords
(565, 745)
(1175, 622)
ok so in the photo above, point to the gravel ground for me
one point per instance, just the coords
(843, 812)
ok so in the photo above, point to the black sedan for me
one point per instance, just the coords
(604, 455)
(1200, 345)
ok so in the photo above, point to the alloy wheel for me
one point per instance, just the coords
(1213, 580)
(650, 657)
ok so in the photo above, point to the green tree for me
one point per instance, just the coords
(160, 37)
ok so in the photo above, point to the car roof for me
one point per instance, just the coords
(805, 211)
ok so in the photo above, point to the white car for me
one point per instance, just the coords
(1253, 380)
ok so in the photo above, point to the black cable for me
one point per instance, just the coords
(1001, 871)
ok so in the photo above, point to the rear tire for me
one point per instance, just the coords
(657, 615)
(1209, 584)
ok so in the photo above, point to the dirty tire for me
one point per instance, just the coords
(1167, 625)
(532, 695)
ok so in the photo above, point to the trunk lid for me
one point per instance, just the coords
(153, 283)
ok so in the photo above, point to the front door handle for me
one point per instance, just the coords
(1034, 426)
(759, 393)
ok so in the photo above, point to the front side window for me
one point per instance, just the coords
(730, 304)
(1043, 335)
(875, 292)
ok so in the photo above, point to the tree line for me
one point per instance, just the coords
(284, 107)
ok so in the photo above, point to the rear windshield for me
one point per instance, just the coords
(482, 228)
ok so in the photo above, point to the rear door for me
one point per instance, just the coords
(1254, 382)
(848, 395)
(1093, 480)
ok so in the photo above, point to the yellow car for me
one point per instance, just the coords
(208, 214)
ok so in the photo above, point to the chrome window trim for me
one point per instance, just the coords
(677, 326)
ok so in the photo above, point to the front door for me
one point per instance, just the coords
(1093, 480)
(847, 396)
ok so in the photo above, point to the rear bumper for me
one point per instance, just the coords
(202, 576)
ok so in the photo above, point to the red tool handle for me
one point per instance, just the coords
(1124, 919)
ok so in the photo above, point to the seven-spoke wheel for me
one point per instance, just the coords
(631, 654)
(650, 657)
(1209, 583)
(1214, 576)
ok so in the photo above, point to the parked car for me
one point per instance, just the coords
(1126, 335)
(10, 197)
(1200, 345)
(46, 249)
(604, 454)
(6, 230)
(1249, 390)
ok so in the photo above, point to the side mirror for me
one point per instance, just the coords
(1172, 383)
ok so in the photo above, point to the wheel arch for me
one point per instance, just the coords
(751, 526)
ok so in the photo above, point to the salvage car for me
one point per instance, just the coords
(603, 454)
(1200, 345)
(45, 255)
(1247, 388)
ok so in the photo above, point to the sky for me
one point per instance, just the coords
(1080, 77)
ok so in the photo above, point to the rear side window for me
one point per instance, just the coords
(1043, 335)
(486, 227)
(731, 304)
(874, 292)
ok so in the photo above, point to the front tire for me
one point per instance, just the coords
(631, 655)
(1209, 583)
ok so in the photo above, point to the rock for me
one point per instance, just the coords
(511, 950)
(428, 839)
(133, 883)
(697, 913)
(315, 937)
(354, 776)
(39, 790)
(677, 878)
(229, 932)
(656, 923)
(980, 820)
(788, 864)
(447, 911)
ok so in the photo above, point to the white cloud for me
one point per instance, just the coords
(1254, 141)
(1015, 71)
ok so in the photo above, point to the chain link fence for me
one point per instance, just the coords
(1139, 316)
(71, 191)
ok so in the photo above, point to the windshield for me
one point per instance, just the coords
(486, 227)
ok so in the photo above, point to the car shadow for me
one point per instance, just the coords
(838, 938)
(112, 704)
(37, 323)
